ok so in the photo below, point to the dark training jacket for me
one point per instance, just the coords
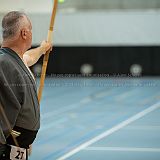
(18, 97)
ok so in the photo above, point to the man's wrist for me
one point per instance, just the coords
(42, 50)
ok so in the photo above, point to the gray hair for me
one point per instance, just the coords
(11, 24)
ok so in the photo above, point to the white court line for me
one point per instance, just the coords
(111, 131)
(142, 127)
(125, 95)
(123, 149)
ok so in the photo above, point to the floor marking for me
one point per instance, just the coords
(67, 108)
(125, 95)
(143, 127)
(123, 149)
(86, 100)
(111, 131)
(147, 100)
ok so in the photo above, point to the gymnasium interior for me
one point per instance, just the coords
(101, 97)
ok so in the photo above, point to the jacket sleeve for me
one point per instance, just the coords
(11, 94)
(2, 137)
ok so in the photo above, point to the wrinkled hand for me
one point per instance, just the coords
(45, 46)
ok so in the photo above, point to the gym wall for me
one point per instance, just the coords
(111, 42)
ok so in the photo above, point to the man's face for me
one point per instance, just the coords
(29, 34)
(26, 33)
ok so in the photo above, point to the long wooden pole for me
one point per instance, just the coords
(46, 56)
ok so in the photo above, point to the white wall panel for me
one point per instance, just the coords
(29, 6)
(99, 28)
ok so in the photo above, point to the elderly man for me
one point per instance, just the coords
(18, 96)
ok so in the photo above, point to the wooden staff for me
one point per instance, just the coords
(46, 56)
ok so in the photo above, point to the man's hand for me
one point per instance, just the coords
(31, 56)
(45, 46)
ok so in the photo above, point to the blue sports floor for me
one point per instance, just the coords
(99, 119)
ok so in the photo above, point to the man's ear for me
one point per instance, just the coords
(24, 34)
